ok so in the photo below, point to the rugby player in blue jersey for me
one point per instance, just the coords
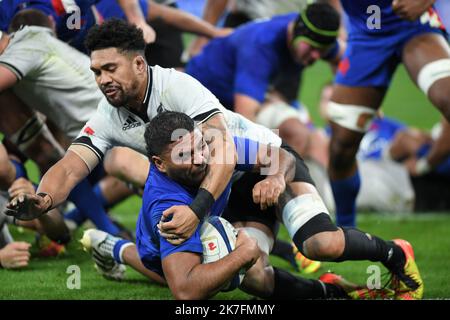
(73, 20)
(146, 10)
(65, 15)
(394, 32)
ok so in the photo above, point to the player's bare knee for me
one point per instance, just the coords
(259, 278)
(325, 246)
(296, 134)
(6, 175)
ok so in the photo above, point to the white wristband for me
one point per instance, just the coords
(422, 166)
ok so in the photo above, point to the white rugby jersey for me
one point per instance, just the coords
(260, 9)
(53, 78)
(167, 90)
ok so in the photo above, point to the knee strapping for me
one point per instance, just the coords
(300, 210)
(25, 136)
(352, 117)
(433, 72)
(273, 115)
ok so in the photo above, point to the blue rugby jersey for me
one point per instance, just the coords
(161, 193)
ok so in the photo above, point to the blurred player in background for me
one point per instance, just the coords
(71, 17)
(13, 181)
(73, 21)
(397, 31)
(240, 68)
(55, 78)
(387, 159)
(169, 23)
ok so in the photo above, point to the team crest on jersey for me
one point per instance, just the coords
(89, 131)
(130, 123)
(432, 19)
(343, 67)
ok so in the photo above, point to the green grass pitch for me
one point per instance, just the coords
(46, 278)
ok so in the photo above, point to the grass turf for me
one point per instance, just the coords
(46, 278)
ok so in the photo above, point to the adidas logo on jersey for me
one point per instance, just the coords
(130, 123)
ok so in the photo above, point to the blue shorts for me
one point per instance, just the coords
(111, 9)
(370, 60)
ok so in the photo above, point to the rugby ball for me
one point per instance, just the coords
(218, 238)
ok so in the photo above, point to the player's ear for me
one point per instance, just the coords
(159, 163)
(52, 23)
(140, 64)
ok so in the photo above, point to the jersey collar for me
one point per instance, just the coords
(148, 91)
(145, 102)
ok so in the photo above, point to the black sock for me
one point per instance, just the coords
(397, 259)
(284, 250)
(363, 246)
(288, 286)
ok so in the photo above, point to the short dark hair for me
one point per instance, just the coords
(319, 22)
(323, 15)
(158, 133)
(29, 17)
(115, 33)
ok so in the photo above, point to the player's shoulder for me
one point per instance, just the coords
(105, 108)
(157, 200)
(265, 34)
(106, 116)
(165, 77)
(160, 188)
(172, 84)
(30, 35)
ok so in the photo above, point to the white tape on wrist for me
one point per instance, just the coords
(422, 166)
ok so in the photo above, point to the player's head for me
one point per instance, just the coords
(117, 60)
(31, 17)
(314, 32)
(176, 147)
